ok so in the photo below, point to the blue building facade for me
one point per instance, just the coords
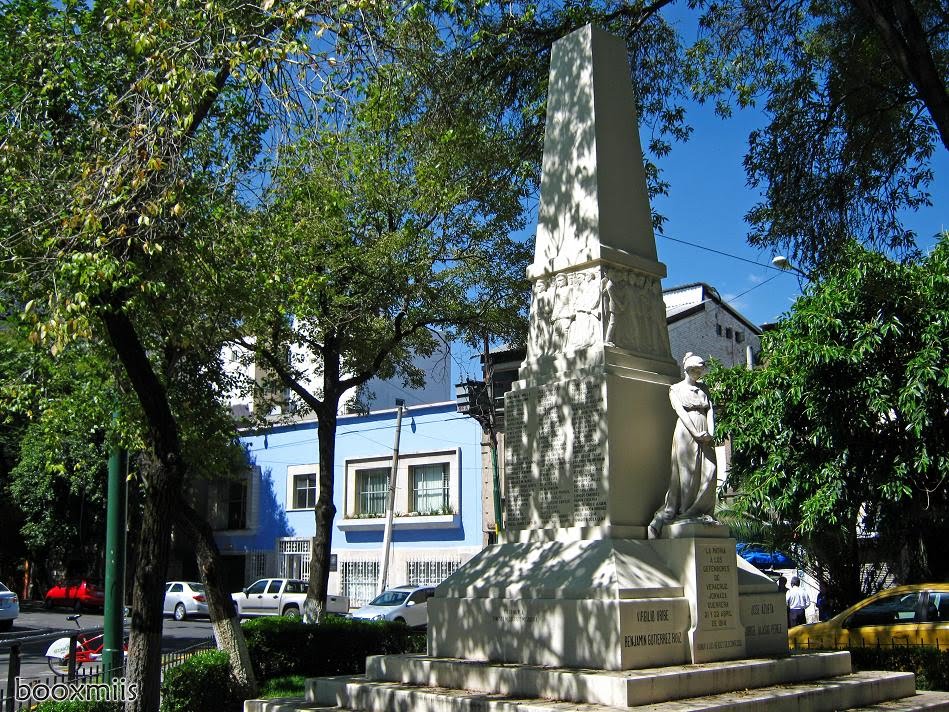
(438, 521)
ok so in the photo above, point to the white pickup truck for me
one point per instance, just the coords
(280, 597)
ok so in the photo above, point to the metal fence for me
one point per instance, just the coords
(85, 681)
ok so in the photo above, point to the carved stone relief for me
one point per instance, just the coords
(617, 307)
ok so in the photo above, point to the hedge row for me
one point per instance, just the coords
(337, 646)
(930, 665)
(201, 683)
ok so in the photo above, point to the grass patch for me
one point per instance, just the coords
(285, 686)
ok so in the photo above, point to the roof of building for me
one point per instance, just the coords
(708, 294)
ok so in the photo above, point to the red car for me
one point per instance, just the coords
(77, 594)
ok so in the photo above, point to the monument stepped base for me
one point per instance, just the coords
(812, 682)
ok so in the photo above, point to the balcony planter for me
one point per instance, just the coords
(409, 521)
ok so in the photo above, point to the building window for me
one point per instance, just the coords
(358, 580)
(237, 505)
(426, 572)
(429, 488)
(372, 485)
(728, 333)
(304, 491)
(427, 483)
(739, 337)
(718, 329)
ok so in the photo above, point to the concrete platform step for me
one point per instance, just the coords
(286, 704)
(838, 693)
(619, 689)
(919, 701)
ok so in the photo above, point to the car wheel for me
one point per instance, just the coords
(292, 612)
(400, 619)
(180, 612)
(5, 626)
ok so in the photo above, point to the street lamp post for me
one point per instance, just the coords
(783, 263)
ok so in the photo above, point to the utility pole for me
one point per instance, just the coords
(390, 501)
(492, 439)
(113, 655)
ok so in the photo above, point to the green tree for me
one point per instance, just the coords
(54, 462)
(386, 230)
(118, 117)
(856, 100)
(843, 432)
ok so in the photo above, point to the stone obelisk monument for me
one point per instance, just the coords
(589, 427)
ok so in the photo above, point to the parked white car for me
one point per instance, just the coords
(401, 604)
(185, 598)
(9, 608)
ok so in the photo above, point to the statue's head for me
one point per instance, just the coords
(692, 362)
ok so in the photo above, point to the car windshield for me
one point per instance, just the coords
(3, 589)
(389, 598)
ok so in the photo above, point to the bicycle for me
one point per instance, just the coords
(88, 649)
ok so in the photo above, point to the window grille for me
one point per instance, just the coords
(429, 488)
(295, 558)
(358, 580)
(304, 491)
(255, 565)
(372, 485)
(425, 572)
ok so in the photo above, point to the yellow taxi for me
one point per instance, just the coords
(917, 614)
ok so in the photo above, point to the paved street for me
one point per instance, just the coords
(36, 621)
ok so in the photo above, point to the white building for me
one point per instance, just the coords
(700, 321)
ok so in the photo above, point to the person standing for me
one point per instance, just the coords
(798, 601)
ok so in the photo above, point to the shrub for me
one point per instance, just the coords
(335, 646)
(202, 683)
(930, 665)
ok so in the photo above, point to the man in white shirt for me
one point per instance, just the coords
(798, 601)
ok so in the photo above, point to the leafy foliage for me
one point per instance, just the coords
(335, 646)
(386, 229)
(852, 125)
(843, 433)
(60, 409)
(930, 665)
(202, 683)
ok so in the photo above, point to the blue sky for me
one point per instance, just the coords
(706, 205)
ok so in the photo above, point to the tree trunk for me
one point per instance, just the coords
(163, 481)
(143, 670)
(228, 633)
(902, 32)
(324, 513)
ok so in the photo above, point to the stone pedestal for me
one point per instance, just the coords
(608, 604)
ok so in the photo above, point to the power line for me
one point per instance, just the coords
(760, 284)
(721, 252)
